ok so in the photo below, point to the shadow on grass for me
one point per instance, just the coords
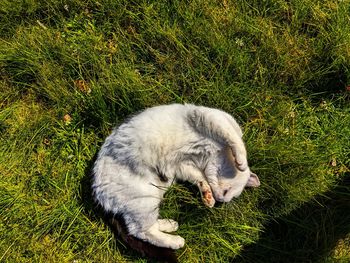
(307, 234)
(331, 83)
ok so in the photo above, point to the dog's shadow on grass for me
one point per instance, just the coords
(308, 234)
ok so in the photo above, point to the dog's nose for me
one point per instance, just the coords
(226, 191)
(220, 199)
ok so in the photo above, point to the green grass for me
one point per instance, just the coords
(280, 67)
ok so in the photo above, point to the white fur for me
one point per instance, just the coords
(225, 179)
(181, 142)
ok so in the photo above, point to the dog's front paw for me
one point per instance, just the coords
(208, 198)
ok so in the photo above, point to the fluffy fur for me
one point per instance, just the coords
(152, 150)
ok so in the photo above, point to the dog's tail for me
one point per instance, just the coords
(144, 248)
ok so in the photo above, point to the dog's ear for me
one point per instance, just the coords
(253, 180)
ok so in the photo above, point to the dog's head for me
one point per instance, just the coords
(229, 181)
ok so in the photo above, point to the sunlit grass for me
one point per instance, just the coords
(70, 71)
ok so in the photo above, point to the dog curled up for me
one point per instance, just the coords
(145, 155)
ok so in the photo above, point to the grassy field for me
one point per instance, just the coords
(71, 70)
